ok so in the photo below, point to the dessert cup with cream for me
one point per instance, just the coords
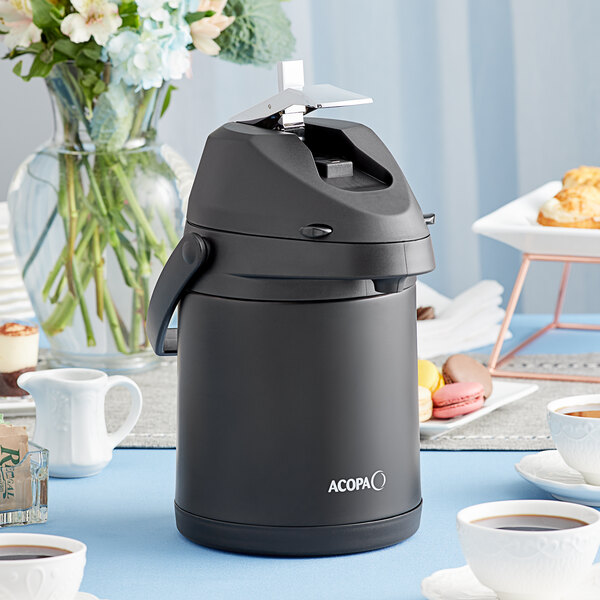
(19, 344)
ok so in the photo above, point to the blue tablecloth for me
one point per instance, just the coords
(125, 516)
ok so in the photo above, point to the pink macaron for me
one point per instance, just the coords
(456, 399)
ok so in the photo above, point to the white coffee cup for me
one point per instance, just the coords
(42, 578)
(577, 438)
(529, 565)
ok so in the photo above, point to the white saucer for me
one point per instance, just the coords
(461, 584)
(549, 472)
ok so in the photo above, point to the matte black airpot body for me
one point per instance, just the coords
(298, 424)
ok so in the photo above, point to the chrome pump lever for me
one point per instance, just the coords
(286, 109)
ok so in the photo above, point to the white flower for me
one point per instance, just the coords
(204, 31)
(154, 9)
(94, 18)
(16, 22)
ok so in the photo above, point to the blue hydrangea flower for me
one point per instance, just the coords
(158, 53)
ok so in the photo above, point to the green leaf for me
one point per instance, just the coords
(132, 21)
(127, 8)
(90, 82)
(126, 243)
(67, 48)
(196, 16)
(34, 48)
(89, 56)
(99, 87)
(38, 68)
(93, 52)
(89, 79)
(260, 35)
(46, 15)
(113, 117)
(167, 100)
(47, 55)
(128, 11)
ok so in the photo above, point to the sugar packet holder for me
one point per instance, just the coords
(23, 478)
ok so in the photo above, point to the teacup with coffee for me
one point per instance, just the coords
(56, 562)
(575, 427)
(529, 549)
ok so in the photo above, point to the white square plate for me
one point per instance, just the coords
(504, 393)
(516, 224)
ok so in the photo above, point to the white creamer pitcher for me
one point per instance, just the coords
(70, 420)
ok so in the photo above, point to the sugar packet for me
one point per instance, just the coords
(15, 470)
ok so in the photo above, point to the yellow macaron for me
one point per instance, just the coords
(441, 382)
(430, 376)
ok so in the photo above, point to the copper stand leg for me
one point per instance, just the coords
(495, 361)
(510, 310)
(561, 293)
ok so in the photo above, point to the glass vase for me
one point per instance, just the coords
(95, 213)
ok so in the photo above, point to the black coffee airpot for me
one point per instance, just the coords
(298, 430)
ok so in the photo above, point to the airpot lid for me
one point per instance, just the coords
(274, 173)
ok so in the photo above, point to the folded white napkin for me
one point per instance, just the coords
(14, 301)
(469, 321)
(10, 296)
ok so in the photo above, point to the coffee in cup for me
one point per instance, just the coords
(40, 567)
(529, 549)
(529, 523)
(30, 552)
(592, 412)
(575, 427)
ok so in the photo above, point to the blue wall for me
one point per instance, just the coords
(480, 101)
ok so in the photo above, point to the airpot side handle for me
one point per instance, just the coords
(183, 264)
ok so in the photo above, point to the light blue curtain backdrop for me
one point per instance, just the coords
(479, 101)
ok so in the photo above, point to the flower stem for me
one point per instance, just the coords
(61, 259)
(142, 112)
(79, 289)
(140, 300)
(83, 242)
(62, 315)
(95, 187)
(159, 248)
(98, 273)
(72, 221)
(136, 321)
(113, 321)
(61, 205)
(113, 240)
(58, 291)
(168, 227)
(144, 271)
